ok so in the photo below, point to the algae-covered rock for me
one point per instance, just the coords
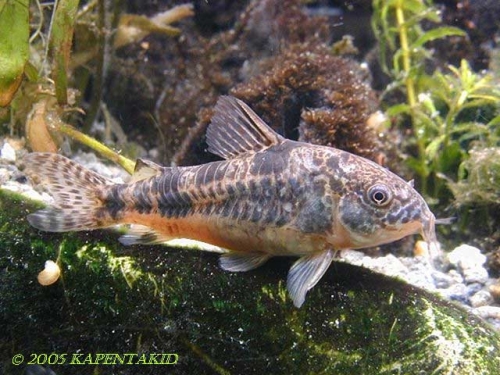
(157, 300)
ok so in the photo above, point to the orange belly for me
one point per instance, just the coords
(231, 235)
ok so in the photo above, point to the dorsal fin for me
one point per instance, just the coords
(145, 169)
(237, 130)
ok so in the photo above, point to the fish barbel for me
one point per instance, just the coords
(270, 197)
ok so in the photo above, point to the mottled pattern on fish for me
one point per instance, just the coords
(269, 189)
(271, 196)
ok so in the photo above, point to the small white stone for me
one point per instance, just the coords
(354, 257)
(7, 152)
(488, 312)
(443, 280)
(388, 265)
(481, 298)
(418, 273)
(456, 292)
(475, 275)
(469, 261)
(468, 254)
(456, 276)
(5, 175)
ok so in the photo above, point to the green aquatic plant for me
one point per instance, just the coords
(456, 113)
(40, 85)
(449, 109)
(398, 27)
(14, 34)
(479, 178)
(61, 37)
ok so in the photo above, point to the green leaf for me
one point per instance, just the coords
(470, 130)
(450, 158)
(454, 70)
(31, 72)
(433, 147)
(495, 121)
(433, 14)
(398, 109)
(414, 21)
(420, 168)
(464, 127)
(60, 45)
(462, 171)
(14, 46)
(483, 99)
(413, 6)
(428, 122)
(385, 26)
(438, 33)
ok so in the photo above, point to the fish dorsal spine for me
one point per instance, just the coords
(236, 130)
(145, 169)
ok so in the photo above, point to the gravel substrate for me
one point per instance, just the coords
(462, 278)
(461, 275)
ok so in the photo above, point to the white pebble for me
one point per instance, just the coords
(475, 274)
(457, 292)
(466, 253)
(469, 261)
(456, 276)
(388, 265)
(488, 312)
(7, 152)
(481, 298)
(443, 280)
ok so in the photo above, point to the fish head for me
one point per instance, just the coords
(380, 207)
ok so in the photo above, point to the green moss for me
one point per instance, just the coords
(480, 178)
(456, 344)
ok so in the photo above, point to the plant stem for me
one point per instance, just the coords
(410, 90)
(403, 38)
(61, 37)
(108, 153)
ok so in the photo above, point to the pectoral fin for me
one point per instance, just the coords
(305, 274)
(241, 262)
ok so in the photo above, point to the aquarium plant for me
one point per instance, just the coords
(39, 92)
(451, 110)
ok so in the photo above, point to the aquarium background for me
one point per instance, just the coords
(411, 85)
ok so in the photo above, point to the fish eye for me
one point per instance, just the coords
(379, 195)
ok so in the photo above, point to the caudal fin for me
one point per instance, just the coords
(74, 188)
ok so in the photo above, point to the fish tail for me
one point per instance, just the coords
(76, 192)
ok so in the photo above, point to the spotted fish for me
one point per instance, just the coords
(270, 196)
